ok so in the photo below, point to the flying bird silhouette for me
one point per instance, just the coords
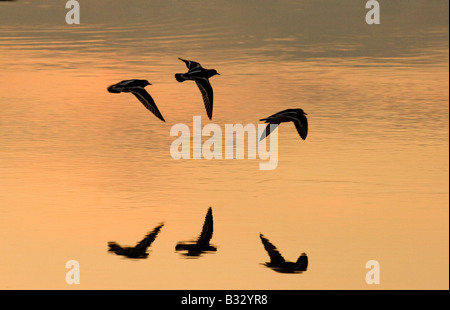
(140, 249)
(201, 77)
(297, 116)
(277, 261)
(202, 244)
(136, 87)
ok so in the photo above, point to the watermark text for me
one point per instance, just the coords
(73, 16)
(186, 146)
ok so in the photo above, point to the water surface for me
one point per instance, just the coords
(80, 167)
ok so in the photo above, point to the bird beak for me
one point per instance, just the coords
(305, 113)
(218, 73)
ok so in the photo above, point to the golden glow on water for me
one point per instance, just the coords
(81, 167)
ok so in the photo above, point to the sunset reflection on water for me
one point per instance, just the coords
(81, 166)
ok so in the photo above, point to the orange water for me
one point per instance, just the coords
(80, 167)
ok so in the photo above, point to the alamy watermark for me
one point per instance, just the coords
(373, 275)
(73, 16)
(73, 275)
(192, 147)
(373, 16)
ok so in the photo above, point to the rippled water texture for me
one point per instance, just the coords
(80, 167)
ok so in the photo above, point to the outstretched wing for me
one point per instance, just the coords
(147, 101)
(275, 256)
(207, 94)
(148, 239)
(301, 123)
(269, 128)
(190, 64)
(207, 230)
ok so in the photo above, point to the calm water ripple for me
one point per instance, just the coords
(81, 166)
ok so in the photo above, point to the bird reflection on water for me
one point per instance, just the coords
(196, 248)
(140, 249)
(278, 263)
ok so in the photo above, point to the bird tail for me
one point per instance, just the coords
(112, 89)
(179, 77)
(114, 247)
(180, 246)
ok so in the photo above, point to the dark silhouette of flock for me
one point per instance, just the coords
(195, 248)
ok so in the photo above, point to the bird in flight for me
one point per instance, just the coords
(201, 77)
(140, 249)
(277, 261)
(202, 244)
(136, 87)
(297, 116)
